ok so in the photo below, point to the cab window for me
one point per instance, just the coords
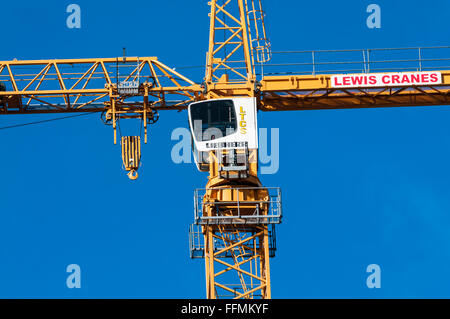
(213, 114)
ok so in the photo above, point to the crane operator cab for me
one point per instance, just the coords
(226, 128)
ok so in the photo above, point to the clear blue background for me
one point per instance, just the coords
(359, 186)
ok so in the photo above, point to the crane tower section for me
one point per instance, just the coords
(235, 215)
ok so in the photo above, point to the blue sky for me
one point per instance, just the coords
(359, 186)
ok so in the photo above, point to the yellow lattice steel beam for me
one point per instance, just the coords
(86, 85)
(230, 56)
(236, 252)
(316, 92)
(244, 273)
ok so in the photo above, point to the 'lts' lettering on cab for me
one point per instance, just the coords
(243, 123)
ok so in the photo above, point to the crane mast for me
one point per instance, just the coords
(234, 229)
(235, 215)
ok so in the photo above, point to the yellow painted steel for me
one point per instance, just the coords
(233, 198)
(229, 73)
(248, 260)
(309, 92)
(246, 244)
(131, 155)
(57, 88)
(278, 93)
(230, 68)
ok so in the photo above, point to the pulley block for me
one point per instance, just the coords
(131, 155)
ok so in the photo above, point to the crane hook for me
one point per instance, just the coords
(133, 175)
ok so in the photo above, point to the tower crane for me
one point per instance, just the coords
(235, 215)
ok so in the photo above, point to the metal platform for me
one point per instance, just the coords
(245, 211)
(197, 242)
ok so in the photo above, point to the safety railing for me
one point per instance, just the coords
(197, 242)
(358, 61)
(272, 206)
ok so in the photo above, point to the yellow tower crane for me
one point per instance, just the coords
(235, 215)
